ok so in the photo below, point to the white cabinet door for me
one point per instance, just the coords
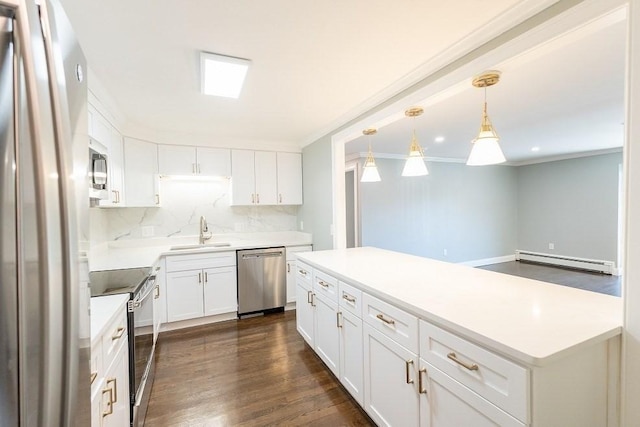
(116, 171)
(99, 127)
(243, 187)
(444, 402)
(159, 299)
(184, 295)
(177, 160)
(326, 333)
(96, 409)
(291, 270)
(289, 178)
(214, 161)
(220, 290)
(351, 369)
(141, 173)
(266, 178)
(116, 403)
(390, 381)
(304, 311)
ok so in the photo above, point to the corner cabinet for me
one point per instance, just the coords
(265, 178)
(141, 173)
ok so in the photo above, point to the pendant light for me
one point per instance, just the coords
(414, 165)
(485, 149)
(370, 171)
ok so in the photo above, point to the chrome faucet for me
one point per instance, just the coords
(204, 229)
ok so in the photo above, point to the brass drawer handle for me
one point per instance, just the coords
(118, 334)
(338, 319)
(408, 376)
(385, 320)
(309, 297)
(94, 375)
(304, 273)
(323, 284)
(109, 410)
(453, 357)
(288, 267)
(349, 299)
(114, 388)
(157, 292)
(421, 388)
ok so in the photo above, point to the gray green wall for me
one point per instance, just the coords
(572, 204)
(469, 211)
(316, 212)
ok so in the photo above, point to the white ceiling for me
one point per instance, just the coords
(565, 97)
(313, 62)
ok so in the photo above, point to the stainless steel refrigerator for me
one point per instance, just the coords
(44, 303)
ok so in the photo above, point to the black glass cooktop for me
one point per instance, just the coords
(111, 282)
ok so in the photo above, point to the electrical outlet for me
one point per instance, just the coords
(147, 231)
(444, 252)
(552, 246)
(301, 225)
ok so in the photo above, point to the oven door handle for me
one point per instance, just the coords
(138, 301)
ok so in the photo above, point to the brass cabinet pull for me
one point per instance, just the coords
(304, 273)
(157, 199)
(349, 298)
(385, 320)
(118, 334)
(338, 319)
(157, 292)
(109, 410)
(313, 298)
(199, 277)
(94, 375)
(323, 284)
(193, 168)
(309, 297)
(453, 357)
(408, 376)
(206, 277)
(253, 198)
(115, 388)
(280, 198)
(157, 268)
(115, 196)
(199, 172)
(288, 267)
(421, 388)
(257, 197)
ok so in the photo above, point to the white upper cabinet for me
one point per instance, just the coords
(256, 178)
(141, 173)
(102, 131)
(186, 160)
(289, 178)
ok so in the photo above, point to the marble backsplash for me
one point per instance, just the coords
(183, 202)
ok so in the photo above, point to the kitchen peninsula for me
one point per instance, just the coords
(441, 342)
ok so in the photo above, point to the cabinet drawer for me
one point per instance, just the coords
(350, 298)
(395, 323)
(498, 380)
(113, 338)
(326, 285)
(198, 261)
(303, 273)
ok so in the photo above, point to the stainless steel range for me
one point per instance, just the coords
(140, 284)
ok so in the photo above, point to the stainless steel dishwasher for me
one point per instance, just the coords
(261, 280)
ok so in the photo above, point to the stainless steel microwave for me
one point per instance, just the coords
(98, 171)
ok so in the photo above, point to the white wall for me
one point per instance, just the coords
(469, 211)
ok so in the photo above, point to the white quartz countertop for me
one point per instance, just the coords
(144, 252)
(103, 310)
(530, 321)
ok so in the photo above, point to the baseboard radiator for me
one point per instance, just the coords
(606, 267)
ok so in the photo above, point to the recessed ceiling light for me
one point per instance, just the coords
(534, 149)
(439, 139)
(222, 75)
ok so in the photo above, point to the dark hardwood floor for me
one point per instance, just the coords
(596, 282)
(249, 372)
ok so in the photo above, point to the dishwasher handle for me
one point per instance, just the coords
(263, 255)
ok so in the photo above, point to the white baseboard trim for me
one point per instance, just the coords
(290, 306)
(489, 261)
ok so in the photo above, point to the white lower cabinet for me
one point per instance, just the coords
(390, 381)
(444, 402)
(351, 370)
(201, 285)
(304, 310)
(115, 394)
(291, 270)
(326, 332)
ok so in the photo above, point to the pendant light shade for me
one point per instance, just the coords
(485, 149)
(370, 170)
(415, 165)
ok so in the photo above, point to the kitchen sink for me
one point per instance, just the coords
(196, 246)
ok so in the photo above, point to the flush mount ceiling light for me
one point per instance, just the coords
(414, 165)
(485, 149)
(370, 172)
(222, 75)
